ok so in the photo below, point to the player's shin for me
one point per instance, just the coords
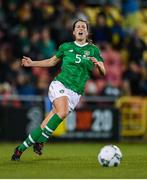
(52, 124)
(31, 139)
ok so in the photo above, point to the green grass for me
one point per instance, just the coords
(73, 160)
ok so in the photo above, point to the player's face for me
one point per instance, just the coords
(80, 31)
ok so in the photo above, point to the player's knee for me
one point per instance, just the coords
(62, 114)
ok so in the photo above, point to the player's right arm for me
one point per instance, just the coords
(27, 62)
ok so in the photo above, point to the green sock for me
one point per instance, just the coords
(49, 128)
(31, 139)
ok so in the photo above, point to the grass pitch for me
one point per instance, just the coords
(73, 160)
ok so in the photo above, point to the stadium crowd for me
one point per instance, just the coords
(36, 28)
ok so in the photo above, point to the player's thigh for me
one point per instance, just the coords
(61, 106)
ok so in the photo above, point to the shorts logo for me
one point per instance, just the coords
(61, 91)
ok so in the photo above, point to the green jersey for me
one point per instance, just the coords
(76, 66)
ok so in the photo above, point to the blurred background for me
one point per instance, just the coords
(114, 107)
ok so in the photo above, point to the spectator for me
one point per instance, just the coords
(47, 45)
(21, 44)
(42, 84)
(24, 85)
(11, 15)
(34, 44)
(143, 82)
(101, 32)
(37, 14)
(118, 35)
(132, 77)
(4, 65)
(113, 65)
(136, 47)
(25, 15)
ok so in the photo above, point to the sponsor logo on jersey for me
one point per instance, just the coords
(71, 50)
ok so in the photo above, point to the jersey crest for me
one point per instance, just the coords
(87, 53)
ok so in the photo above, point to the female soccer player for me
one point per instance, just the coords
(78, 59)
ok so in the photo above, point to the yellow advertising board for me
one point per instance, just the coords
(133, 115)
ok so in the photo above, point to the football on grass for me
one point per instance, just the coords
(110, 156)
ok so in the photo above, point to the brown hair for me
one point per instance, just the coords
(74, 24)
(87, 25)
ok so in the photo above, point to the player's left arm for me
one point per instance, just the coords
(99, 65)
(98, 61)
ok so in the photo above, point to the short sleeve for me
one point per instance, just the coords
(60, 51)
(97, 55)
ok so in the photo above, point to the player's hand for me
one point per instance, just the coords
(99, 65)
(26, 61)
(93, 59)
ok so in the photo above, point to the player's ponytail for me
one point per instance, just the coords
(89, 41)
(87, 25)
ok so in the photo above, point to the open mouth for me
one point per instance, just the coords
(80, 33)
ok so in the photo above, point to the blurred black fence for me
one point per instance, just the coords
(19, 115)
(95, 118)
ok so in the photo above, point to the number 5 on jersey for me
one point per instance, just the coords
(78, 58)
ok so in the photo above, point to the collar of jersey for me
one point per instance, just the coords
(80, 44)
